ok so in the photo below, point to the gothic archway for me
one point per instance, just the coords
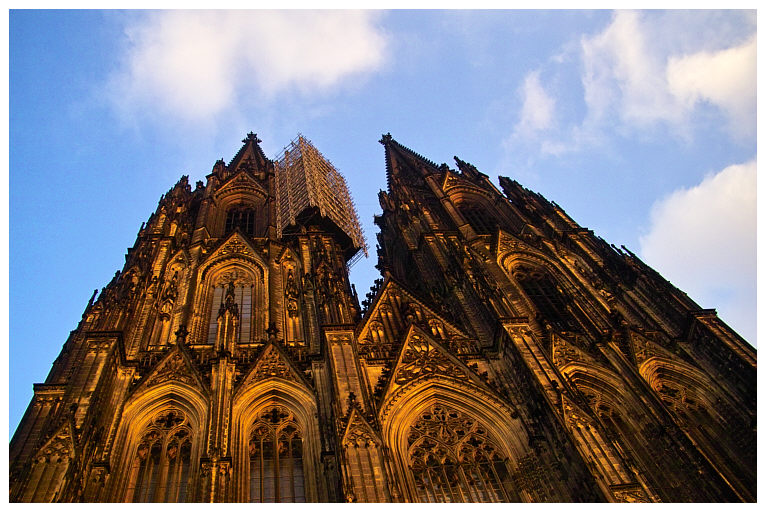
(158, 445)
(275, 459)
(453, 443)
(232, 282)
(708, 417)
(274, 426)
(453, 459)
(161, 466)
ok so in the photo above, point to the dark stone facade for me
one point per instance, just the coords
(506, 354)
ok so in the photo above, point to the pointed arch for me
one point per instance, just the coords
(163, 456)
(478, 206)
(636, 430)
(548, 290)
(241, 203)
(175, 368)
(235, 262)
(256, 440)
(709, 417)
(484, 415)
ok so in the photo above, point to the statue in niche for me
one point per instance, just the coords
(291, 294)
(171, 290)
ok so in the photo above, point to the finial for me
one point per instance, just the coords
(251, 136)
(465, 167)
(386, 138)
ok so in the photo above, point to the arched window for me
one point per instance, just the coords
(481, 220)
(452, 459)
(716, 425)
(237, 288)
(547, 297)
(242, 218)
(276, 458)
(161, 465)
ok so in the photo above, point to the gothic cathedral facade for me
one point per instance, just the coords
(506, 355)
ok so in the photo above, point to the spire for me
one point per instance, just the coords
(469, 170)
(250, 155)
(401, 159)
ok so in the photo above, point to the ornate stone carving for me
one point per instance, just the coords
(234, 246)
(446, 315)
(58, 448)
(291, 294)
(452, 457)
(358, 432)
(421, 358)
(270, 364)
(173, 368)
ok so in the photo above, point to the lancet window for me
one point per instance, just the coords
(453, 459)
(276, 458)
(242, 218)
(718, 429)
(547, 297)
(480, 219)
(237, 289)
(160, 468)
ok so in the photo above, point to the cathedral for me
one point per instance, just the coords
(506, 354)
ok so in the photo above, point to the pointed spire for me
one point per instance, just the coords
(252, 153)
(400, 160)
(467, 169)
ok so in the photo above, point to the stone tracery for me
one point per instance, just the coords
(276, 458)
(453, 459)
(279, 391)
(162, 463)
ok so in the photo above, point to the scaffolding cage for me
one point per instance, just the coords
(305, 179)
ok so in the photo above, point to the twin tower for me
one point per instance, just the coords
(506, 354)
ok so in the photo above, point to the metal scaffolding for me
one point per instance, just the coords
(306, 179)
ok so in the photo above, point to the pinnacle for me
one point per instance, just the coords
(251, 136)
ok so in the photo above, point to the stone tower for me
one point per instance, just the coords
(506, 354)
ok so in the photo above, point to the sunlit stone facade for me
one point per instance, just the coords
(506, 354)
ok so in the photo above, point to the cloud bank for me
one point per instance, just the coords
(649, 70)
(726, 79)
(629, 72)
(703, 240)
(194, 65)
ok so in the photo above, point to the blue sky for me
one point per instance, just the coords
(640, 124)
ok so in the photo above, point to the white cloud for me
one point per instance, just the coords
(703, 239)
(622, 74)
(538, 107)
(640, 70)
(647, 74)
(726, 78)
(196, 64)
